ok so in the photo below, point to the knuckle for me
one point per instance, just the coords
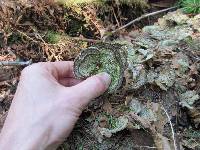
(39, 64)
(32, 68)
(26, 70)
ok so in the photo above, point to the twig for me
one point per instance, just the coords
(173, 133)
(148, 147)
(38, 36)
(15, 63)
(115, 17)
(142, 17)
(84, 39)
(28, 37)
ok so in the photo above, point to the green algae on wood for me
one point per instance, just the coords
(102, 57)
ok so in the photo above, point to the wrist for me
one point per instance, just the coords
(14, 139)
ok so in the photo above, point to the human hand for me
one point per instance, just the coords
(47, 104)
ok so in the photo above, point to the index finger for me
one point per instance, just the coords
(60, 69)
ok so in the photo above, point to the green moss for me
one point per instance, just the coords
(190, 6)
(52, 37)
(111, 120)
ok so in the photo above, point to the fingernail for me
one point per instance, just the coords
(105, 77)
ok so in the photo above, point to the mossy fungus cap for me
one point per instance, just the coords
(102, 57)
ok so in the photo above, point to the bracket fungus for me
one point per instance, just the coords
(102, 57)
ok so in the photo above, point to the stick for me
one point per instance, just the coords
(24, 34)
(148, 147)
(15, 63)
(84, 39)
(173, 134)
(142, 17)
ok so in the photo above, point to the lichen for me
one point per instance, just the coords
(141, 110)
(188, 99)
(162, 77)
(177, 33)
(167, 43)
(102, 57)
(181, 64)
(176, 17)
(165, 79)
(195, 22)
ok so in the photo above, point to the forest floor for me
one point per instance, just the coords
(158, 106)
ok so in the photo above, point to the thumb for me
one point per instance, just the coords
(91, 88)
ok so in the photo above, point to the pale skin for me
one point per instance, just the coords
(47, 104)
